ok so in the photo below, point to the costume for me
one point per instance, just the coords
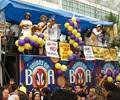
(26, 29)
(55, 32)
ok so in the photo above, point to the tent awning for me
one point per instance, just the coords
(15, 9)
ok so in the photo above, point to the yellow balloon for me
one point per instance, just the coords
(70, 53)
(30, 37)
(22, 37)
(69, 38)
(21, 48)
(74, 31)
(35, 38)
(74, 19)
(110, 79)
(70, 28)
(42, 43)
(66, 25)
(80, 38)
(118, 78)
(71, 41)
(27, 46)
(58, 66)
(75, 44)
(63, 68)
(16, 43)
(39, 40)
(78, 35)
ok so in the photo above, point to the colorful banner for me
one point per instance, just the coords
(107, 55)
(63, 50)
(36, 71)
(113, 53)
(88, 52)
(98, 53)
(51, 49)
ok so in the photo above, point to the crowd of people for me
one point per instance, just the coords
(104, 90)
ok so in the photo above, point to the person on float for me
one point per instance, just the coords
(43, 23)
(54, 31)
(96, 36)
(26, 25)
(43, 26)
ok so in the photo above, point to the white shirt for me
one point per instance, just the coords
(96, 32)
(26, 31)
(13, 97)
(54, 32)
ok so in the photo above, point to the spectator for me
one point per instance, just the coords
(78, 88)
(23, 93)
(64, 95)
(14, 94)
(92, 94)
(11, 82)
(5, 93)
(111, 91)
(117, 84)
(36, 96)
(0, 92)
(46, 93)
(81, 97)
(30, 95)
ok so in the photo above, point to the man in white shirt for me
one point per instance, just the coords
(96, 35)
(55, 31)
(26, 25)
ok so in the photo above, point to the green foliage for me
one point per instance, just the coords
(112, 18)
(115, 19)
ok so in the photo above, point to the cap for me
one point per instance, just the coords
(52, 18)
(23, 89)
(27, 13)
(99, 25)
(43, 16)
(36, 93)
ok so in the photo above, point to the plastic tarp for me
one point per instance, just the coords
(14, 12)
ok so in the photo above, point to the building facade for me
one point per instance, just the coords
(90, 8)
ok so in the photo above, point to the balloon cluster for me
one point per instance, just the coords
(71, 56)
(110, 76)
(74, 35)
(27, 43)
(60, 68)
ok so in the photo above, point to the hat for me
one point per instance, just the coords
(23, 89)
(53, 19)
(43, 16)
(27, 13)
(36, 93)
(99, 25)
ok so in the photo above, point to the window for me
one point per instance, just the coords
(87, 10)
(98, 13)
(103, 15)
(81, 8)
(52, 1)
(92, 10)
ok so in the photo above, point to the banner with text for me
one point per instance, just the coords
(51, 49)
(63, 50)
(88, 52)
(36, 71)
